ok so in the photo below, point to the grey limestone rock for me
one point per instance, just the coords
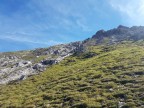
(39, 67)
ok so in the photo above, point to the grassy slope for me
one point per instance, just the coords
(114, 74)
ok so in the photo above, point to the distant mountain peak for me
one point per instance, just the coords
(121, 33)
(100, 33)
(122, 27)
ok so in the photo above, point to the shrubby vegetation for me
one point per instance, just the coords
(102, 77)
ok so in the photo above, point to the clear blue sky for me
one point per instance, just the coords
(29, 24)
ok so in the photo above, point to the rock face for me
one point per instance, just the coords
(20, 65)
(119, 34)
(39, 67)
(15, 66)
(59, 50)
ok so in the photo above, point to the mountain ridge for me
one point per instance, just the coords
(121, 33)
(17, 66)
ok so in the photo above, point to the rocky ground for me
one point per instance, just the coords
(15, 66)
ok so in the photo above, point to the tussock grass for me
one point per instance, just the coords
(103, 76)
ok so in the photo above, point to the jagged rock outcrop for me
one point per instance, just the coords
(19, 65)
(121, 33)
(59, 50)
(39, 67)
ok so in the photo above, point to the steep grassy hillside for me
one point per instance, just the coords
(101, 77)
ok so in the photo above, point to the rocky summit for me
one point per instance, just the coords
(121, 33)
(104, 71)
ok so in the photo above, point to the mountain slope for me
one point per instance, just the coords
(15, 66)
(105, 71)
(102, 76)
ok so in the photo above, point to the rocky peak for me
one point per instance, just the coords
(100, 33)
(122, 27)
(120, 33)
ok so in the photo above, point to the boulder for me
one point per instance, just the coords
(49, 62)
(39, 67)
(22, 77)
(23, 63)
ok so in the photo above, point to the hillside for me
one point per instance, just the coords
(103, 76)
(104, 71)
(15, 66)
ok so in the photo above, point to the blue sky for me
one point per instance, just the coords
(29, 24)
